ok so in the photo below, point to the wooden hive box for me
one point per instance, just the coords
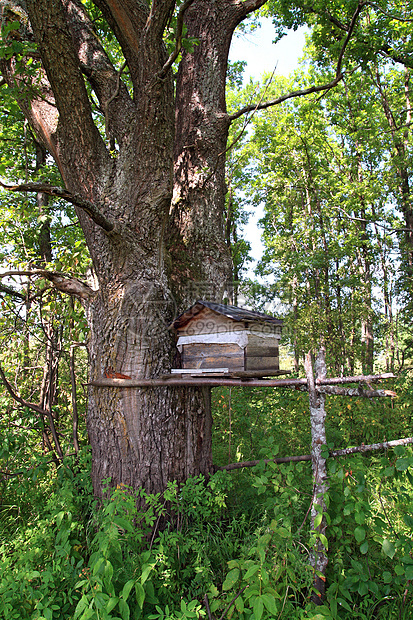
(228, 339)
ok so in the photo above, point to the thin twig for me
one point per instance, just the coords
(10, 291)
(178, 38)
(210, 617)
(285, 599)
(389, 15)
(231, 603)
(308, 511)
(20, 473)
(75, 421)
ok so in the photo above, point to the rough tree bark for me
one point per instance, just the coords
(158, 188)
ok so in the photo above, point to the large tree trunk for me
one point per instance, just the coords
(157, 244)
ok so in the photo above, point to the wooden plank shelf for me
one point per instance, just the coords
(225, 373)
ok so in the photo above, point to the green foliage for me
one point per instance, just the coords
(240, 538)
(329, 171)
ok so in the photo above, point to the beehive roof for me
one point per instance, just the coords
(232, 312)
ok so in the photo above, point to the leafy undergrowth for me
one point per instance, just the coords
(236, 545)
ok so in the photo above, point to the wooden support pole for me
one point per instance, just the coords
(318, 556)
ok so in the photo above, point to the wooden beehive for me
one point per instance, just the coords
(227, 339)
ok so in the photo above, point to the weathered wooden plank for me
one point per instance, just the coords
(229, 356)
(265, 350)
(197, 371)
(256, 374)
(211, 349)
(255, 340)
(261, 363)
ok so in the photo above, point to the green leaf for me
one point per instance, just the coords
(364, 547)
(387, 577)
(124, 609)
(359, 534)
(251, 571)
(145, 573)
(325, 452)
(270, 604)
(140, 594)
(317, 520)
(388, 548)
(80, 606)
(108, 573)
(111, 604)
(239, 604)
(402, 464)
(123, 524)
(323, 541)
(408, 519)
(343, 603)
(231, 579)
(127, 588)
(360, 517)
(258, 608)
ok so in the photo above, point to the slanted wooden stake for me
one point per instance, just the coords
(318, 557)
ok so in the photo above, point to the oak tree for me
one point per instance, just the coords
(137, 125)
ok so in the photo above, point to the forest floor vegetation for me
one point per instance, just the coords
(236, 545)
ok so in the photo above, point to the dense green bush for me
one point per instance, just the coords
(234, 546)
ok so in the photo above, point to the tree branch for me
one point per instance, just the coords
(160, 16)
(312, 89)
(357, 392)
(353, 22)
(374, 446)
(385, 49)
(100, 72)
(332, 454)
(127, 19)
(62, 282)
(279, 460)
(34, 407)
(86, 205)
(295, 93)
(10, 291)
(178, 37)
(374, 5)
(51, 23)
(252, 5)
